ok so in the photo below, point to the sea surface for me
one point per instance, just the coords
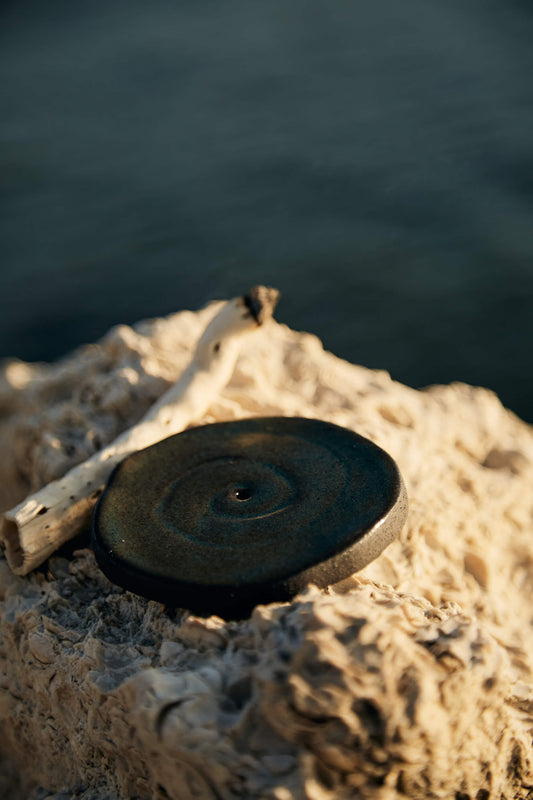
(373, 159)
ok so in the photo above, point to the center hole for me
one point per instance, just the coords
(242, 493)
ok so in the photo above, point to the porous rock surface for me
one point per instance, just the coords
(410, 680)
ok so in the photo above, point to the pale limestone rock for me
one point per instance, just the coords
(411, 680)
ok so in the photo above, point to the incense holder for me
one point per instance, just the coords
(224, 516)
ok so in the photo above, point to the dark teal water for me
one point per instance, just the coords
(374, 160)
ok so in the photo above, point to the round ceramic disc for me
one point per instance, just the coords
(224, 516)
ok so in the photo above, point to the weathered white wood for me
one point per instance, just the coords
(35, 528)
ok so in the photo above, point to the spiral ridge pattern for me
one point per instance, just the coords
(259, 504)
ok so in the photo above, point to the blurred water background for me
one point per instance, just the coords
(373, 160)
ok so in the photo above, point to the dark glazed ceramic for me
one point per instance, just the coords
(224, 516)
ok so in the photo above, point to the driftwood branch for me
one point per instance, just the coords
(35, 528)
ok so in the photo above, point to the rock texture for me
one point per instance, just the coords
(410, 680)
